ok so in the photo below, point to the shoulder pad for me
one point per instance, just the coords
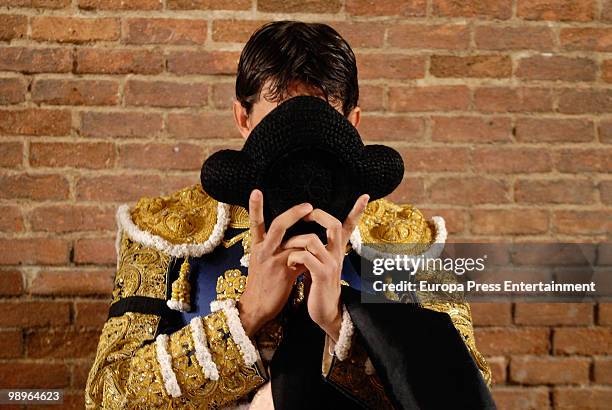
(187, 222)
(387, 222)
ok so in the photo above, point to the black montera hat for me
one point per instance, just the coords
(303, 150)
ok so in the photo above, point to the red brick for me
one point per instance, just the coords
(498, 366)
(558, 191)
(61, 343)
(187, 125)
(411, 191)
(581, 101)
(203, 62)
(392, 66)
(586, 38)
(43, 4)
(91, 314)
(606, 71)
(513, 38)
(35, 60)
(603, 370)
(13, 26)
(605, 189)
(411, 8)
(468, 191)
(11, 154)
(441, 36)
(37, 187)
(503, 341)
(491, 313)
(549, 370)
(12, 220)
(582, 341)
(521, 398)
(11, 283)
(72, 282)
(295, 6)
(473, 8)
(165, 94)
(361, 34)
(80, 372)
(165, 31)
(435, 159)
(35, 121)
(12, 91)
(554, 130)
(120, 124)
(553, 314)
(509, 221)
(605, 132)
(75, 92)
(161, 156)
(454, 219)
(584, 160)
(34, 313)
(114, 188)
(118, 61)
(606, 11)
(34, 375)
(235, 31)
(11, 344)
(391, 128)
(511, 160)
(605, 314)
(542, 67)
(209, 4)
(564, 10)
(582, 222)
(471, 129)
(371, 97)
(582, 398)
(428, 98)
(95, 251)
(471, 66)
(78, 155)
(74, 29)
(501, 99)
(120, 4)
(71, 218)
(33, 251)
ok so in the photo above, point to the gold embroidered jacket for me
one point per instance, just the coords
(142, 362)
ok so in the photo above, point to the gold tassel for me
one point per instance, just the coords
(181, 290)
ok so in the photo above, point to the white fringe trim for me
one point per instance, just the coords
(249, 353)
(201, 349)
(165, 363)
(182, 250)
(434, 250)
(244, 261)
(347, 329)
(178, 305)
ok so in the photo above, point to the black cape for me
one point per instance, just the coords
(418, 354)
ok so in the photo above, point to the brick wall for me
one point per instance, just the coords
(500, 108)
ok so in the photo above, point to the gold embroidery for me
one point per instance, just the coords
(231, 285)
(141, 271)
(239, 217)
(351, 377)
(386, 222)
(120, 337)
(186, 216)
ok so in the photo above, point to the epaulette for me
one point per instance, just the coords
(186, 223)
(385, 222)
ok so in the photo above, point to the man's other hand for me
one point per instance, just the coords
(270, 277)
(324, 264)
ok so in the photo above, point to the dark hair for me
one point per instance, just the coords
(284, 51)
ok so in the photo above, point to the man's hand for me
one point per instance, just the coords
(270, 277)
(324, 263)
